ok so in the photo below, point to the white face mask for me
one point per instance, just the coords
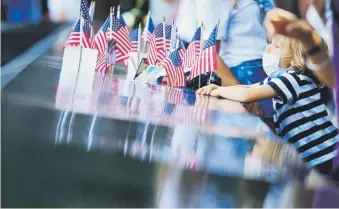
(271, 65)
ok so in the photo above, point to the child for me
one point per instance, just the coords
(300, 114)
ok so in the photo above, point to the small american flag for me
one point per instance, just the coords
(174, 70)
(148, 31)
(124, 26)
(168, 35)
(207, 60)
(100, 40)
(156, 51)
(74, 37)
(84, 10)
(133, 38)
(182, 51)
(121, 35)
(193, 50)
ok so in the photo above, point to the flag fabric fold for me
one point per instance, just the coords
(207, 60)
(148, 31)
(156, 52)
(174, 69)
(193, 50)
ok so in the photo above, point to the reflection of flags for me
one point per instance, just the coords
(191, 161)
(148, 31)
(101, 63)
(174, 70)
(156, 51)
(207, 60)
(111, 53)
(174, 96)
(133, 38)
(188, 114)
(193, 50)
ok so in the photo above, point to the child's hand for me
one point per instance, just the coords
(206, 90)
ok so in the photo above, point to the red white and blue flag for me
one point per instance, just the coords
(87, 30)
(121, 35)
(174, 69)
(156, 51)
(168, 35)
(148, 31)
(100, 40)
(207, 61)
(133, 38)
(193, 50)
(75, 36)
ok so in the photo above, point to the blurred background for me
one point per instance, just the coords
(35, 19)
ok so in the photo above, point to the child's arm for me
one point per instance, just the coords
(245, 93)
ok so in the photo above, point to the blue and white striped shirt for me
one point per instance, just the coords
(301, 117)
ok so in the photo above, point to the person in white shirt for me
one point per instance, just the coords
(241, 40)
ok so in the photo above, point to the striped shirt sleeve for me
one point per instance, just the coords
(287, 87)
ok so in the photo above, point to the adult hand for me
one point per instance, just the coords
(279, 21)
(206, 90)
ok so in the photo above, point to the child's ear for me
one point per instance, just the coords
(292, 63)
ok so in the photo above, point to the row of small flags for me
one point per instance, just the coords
(114, 41)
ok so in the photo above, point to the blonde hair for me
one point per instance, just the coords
(298, 58)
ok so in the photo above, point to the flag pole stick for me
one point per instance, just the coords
(164, 34)
(201, 46)
(111, 10)
(146, 28)
(90, 10)
(118, 12)
(81, 29)
(139, 44)
(172, 31)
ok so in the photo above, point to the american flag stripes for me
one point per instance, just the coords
(156, 51)
(100, 40)
(207, 60)
(148, 31)
(190, 114)
(88, 29)
(193, 50)
(182, 51)
(121, 35)
(74, 38)
(124, 26)
(133, 38)
(174, 70)
(174, 96)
